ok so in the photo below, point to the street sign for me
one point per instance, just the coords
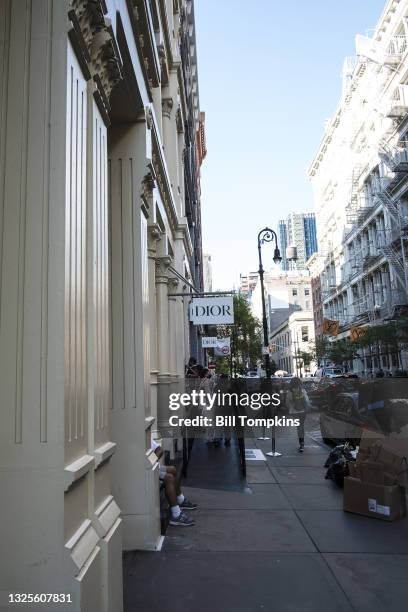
(330, 328)
(212, 311)
(209, 341)
(223, 348)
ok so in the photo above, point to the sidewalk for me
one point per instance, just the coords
(278, 541)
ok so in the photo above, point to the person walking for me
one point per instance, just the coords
(297, 403)
(207, 385)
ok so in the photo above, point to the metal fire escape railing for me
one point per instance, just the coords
(353, 205)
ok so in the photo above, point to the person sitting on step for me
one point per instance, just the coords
(178, 503)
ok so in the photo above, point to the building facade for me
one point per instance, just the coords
(297, 230)
(101, 141)
(289, 340)
(315, 265)
(248, 281)
(285, 292)
(360, 181)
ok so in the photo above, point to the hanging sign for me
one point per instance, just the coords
(330, 328)
(212, 311)
(209, 341)
(223, 348)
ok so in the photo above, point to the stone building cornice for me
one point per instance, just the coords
(94, 43)
(142, 22)
(159, 172)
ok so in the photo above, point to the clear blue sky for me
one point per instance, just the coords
(269, 76)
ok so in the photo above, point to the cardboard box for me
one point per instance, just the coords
(385, 502)
(389, 451)
(375, 473)
(391, 456)
(354, 469)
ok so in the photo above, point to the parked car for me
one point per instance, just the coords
(309, 385)
(252, 374)
(326, 389)
(380, 405)
(329, 371)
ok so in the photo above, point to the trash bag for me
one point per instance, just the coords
(337, 463)
(338, 471)
(339, 451)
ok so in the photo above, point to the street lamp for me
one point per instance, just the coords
(266, 235)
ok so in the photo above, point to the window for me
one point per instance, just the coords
(307, 291)
(294, 291)
(305, 333)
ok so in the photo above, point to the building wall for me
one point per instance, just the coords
(284, 292)
(100, 218)
(360, 182)
(293, 336)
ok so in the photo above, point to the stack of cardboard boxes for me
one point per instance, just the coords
(378, 478)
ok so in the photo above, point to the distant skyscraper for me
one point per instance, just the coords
(247, 281)
(299, 230)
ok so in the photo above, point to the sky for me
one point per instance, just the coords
(269, 76)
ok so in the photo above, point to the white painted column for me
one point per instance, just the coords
(154, 235)
(135, 481)
(162, 305)
(157, 105)
(173, 288)
(170, 140)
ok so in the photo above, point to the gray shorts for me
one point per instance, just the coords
(162, 472)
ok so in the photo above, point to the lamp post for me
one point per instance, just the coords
(266, 235)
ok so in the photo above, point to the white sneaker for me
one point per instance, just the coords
(183, 520)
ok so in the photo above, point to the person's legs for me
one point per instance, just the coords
(171, 493)
(301, 431)
(181, 501)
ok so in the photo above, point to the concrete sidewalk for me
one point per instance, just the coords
(277, 541)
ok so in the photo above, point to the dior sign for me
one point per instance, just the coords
(212, 311)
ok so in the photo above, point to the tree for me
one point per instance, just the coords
(246, 338)
(341, 351)
(337, 351)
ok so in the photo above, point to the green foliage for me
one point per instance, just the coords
(341, 351)
(391, 335)
(246, 336)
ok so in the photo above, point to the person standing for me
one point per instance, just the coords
(297, 403)
(207, 385)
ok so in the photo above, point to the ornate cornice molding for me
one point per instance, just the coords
(167, 107)
(95, 46)
(164, 68)
(162, 268)
(147, 186)
(142, 17)
(179, 121)
(173, 285)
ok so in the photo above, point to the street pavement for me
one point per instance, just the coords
(277, 540)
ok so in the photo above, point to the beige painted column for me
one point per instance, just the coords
(169, 139)
(157, 105)
(173, 288)
(135, 480)
(154, 235)
(164, 377)
(163, 345)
